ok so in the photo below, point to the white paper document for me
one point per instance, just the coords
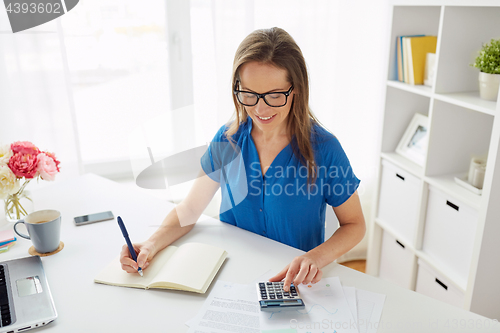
(230, 307)
(370, 307)
(350, 295)
(329, 308)
(326, 311)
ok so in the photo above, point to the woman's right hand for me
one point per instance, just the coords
(145, 251)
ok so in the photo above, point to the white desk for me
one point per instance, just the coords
(84, 306)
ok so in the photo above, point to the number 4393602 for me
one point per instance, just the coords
(27, 7)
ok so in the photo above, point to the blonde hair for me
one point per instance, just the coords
(276, 47)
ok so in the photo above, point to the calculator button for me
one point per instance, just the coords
(279, 296)
(262, 284)
(286, 294)
(269, 283)
(264, 297)
(271, 297)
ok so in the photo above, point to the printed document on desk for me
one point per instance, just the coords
(350, 295)
(326, 311)
(230, 307)
(330, 308)
(369, 308)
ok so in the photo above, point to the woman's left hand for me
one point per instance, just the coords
(303, 269)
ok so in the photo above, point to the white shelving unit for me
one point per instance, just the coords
(430, 234)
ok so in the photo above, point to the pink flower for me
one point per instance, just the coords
(54, 158)
(24, 147)
(48, 166)
(24, 165)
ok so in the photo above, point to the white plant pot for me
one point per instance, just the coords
(488, 86)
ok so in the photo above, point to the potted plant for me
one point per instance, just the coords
(488, 62)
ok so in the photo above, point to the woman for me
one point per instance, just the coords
(276, 166)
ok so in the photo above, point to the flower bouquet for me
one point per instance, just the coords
(20, 163)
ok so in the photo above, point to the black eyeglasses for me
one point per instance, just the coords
(274, 99)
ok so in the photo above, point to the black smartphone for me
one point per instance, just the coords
(92, 218)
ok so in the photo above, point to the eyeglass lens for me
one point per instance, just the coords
(250, 99)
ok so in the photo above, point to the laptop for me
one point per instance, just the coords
(25, 298)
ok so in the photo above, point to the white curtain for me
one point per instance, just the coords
(35, 95)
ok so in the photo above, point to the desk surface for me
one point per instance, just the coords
(84, 306)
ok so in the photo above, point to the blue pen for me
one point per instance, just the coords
(129, 244)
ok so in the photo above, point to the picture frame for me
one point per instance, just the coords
(413, 144)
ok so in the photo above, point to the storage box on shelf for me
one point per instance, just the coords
(433, 284)
(451, 231)
(398, 204)
(396, 261)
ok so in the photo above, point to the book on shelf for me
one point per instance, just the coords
(404, 58)
(400, 56)
(189, 267)
(417, 49)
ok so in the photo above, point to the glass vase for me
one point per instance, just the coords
(18, 205)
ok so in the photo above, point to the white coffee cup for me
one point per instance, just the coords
(44, 229)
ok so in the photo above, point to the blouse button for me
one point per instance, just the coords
(261, 209)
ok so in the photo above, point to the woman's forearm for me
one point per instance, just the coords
(344, 239)
(172, 229)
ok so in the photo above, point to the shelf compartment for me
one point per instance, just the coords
(400, 108)
(456, 135)
(433, 284)
(464, 30)
(396, 261)
(469, 100)
(449, 233)
(399, 199)
(411, 20)
(442, 271)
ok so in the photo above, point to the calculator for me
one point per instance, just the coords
(272, 297)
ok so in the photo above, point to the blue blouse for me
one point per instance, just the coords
(279, 204)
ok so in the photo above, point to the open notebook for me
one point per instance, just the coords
(189, 267)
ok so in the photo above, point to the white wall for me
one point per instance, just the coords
(358, 86)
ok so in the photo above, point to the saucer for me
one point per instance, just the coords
(34, 252)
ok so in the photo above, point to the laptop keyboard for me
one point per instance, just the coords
(4, 299)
